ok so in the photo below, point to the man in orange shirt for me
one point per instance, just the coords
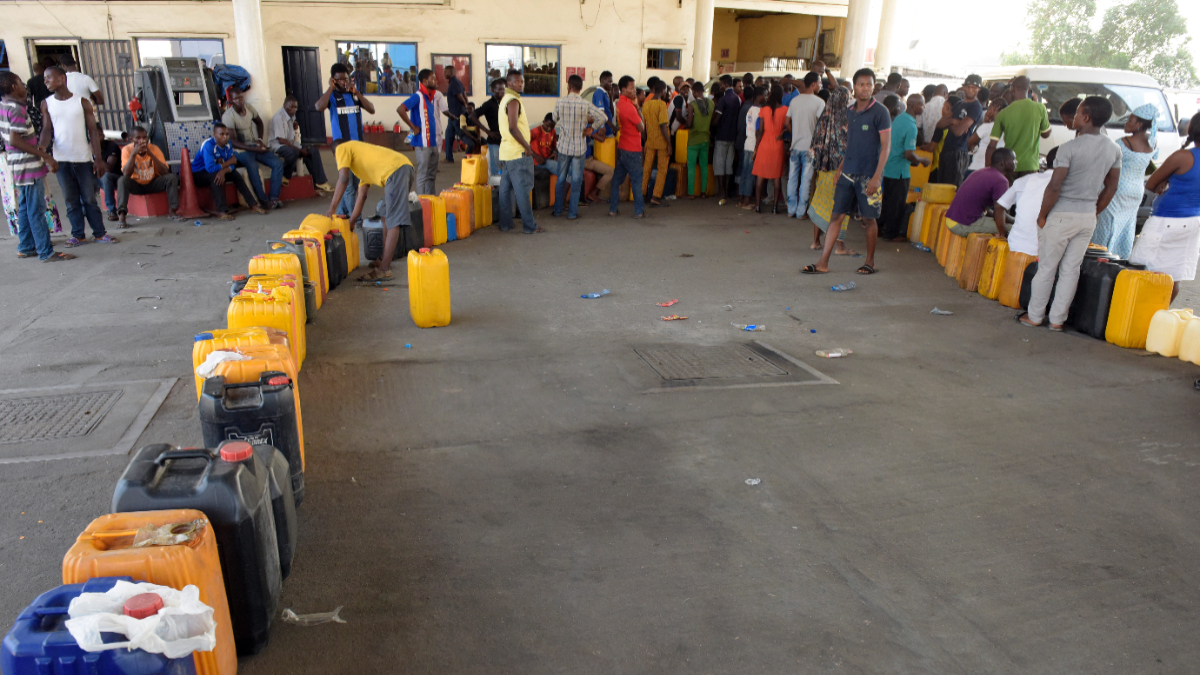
(658, 141)
(629, 149)
(544, 140)
(144, 171)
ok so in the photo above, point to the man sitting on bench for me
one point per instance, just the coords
(144, 171)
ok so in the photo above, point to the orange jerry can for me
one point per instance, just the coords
(459, 204)
(322, 264)
(288, 285)
(270, 310)
(956, 248)
(433, 209)
(312, 271)
(934, 215)
(224, 339)
(104, 549)
(1014, 273)
(993, 268)
(273, 357)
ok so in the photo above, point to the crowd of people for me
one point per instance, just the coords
(813, 147)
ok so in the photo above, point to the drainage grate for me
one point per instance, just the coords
(686, 362)
(41, 418)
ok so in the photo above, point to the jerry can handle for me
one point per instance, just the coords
(289, 246)
(42, 612)
(186, 453)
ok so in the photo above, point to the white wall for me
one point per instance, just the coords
(597, 34)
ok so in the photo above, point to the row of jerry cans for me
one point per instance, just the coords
(222, 520)
(456, 213)
(1114, 300)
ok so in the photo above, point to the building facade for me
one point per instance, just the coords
(288, 46)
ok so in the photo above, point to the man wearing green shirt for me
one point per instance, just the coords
(1022, 125)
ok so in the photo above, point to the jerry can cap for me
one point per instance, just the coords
(328, 237)
(201, 337)
(236, 451)
(143, 605)
(279, 380)
(426, 250)
(241, 277)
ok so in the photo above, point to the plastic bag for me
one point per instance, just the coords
(209, 366)
(313, 619)
(184, 624)
(170, 534)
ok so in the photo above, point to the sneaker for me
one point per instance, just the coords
(107, 239)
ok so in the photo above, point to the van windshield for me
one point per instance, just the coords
(1124, 98)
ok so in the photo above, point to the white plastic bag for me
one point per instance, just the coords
(206, 369)
(184, 624)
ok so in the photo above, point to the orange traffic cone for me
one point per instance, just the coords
(189, 206)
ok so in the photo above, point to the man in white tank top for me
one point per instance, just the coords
(69, 121)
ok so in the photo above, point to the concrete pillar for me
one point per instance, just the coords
(702, 47)
(854, 46)
(883, 48)
(252, 54)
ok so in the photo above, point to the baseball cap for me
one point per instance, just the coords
(973, 79)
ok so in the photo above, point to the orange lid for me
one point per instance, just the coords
(236, 451)
(239, 277)
(144, 605)
(278, 380)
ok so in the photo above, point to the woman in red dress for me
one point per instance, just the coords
(769, 151)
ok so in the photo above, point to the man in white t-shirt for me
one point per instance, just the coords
(1026, 193)
(803, 111)
(81, 84)
(975, 144)
(246, 132)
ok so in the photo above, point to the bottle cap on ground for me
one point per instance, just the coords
(236, 451)
(144, 605)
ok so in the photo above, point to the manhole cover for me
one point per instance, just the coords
(686, 362)
(40, 418)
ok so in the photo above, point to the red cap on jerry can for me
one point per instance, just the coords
(236, 451)
(144, 605)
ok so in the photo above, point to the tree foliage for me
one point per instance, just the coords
(1147, 36)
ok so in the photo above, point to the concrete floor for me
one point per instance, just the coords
(506, 497)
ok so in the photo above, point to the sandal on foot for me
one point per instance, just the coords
(865, 269)
(1023, 319)
(1055, 329)
(812, 269)
(376, 275)
(224, 216)
(24, 255)
(73, 242)
(107, 239)
(176, 217)
(59, 256)
(257, 208)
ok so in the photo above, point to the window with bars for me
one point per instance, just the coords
(662, 59)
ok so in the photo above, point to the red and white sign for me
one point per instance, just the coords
(581, 72)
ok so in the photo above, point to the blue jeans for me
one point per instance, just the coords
(628, 164)
(801, 172)
(251, 160)
(455, 132)
(550, 165)
(109, 184)
(346, 206)
(569, 167)
(517, 180)
(746, 183)
(33, 233)
(78, 183)
(493, 160)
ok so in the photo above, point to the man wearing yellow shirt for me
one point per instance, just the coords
(388, 169)
(516, 157)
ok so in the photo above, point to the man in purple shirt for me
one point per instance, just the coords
(978, 193)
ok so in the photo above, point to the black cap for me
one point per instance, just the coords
(973, 79)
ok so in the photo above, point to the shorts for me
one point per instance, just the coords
(723, 156)
(851, 192)
(393, 208)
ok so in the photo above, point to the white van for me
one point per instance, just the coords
(1127, 91)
